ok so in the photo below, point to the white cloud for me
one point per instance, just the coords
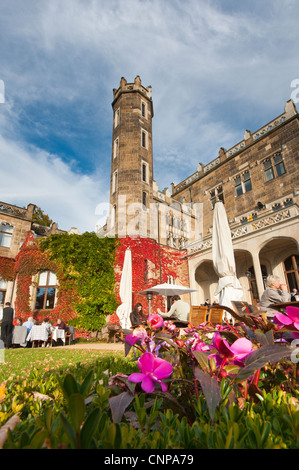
(216, 68)
(33, 176)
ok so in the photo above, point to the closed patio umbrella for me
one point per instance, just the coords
(229, 287)
(125, 292)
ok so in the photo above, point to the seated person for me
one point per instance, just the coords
(179, 310)
(19, 322)
(61, 325)
(46, 323)
(29, 323)
(275, 293)
(137, 316)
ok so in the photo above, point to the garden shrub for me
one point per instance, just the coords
(212, 388)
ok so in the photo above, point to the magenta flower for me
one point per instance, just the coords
(235, 354)
(291, 319)
(200, 346)
(156, 321)
(137, 335)
(153, 370)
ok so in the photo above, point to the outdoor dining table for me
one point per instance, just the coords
(58, 333)
(19, 335)
(282, 306)
(38, 333)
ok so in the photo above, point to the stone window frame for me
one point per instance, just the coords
(5, 234)
(144, 200)
(242, 183)
(114, 181)
(144, 139)
(215, 194)
(145, 165)
(3, 289)
(116, 117)
(46, 286)
(116, 147)
(273, 165)
(143, 109)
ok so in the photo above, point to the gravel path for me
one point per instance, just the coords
(105, 347)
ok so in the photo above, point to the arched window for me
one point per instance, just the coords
(46, 289)
(291, 269)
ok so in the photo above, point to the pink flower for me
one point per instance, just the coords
(291, 319)
(155, 321)
(235, 354)
(200, 346)
(153, 370)
(169, 325)
(139, 334)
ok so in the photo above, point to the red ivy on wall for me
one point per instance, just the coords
(147, 258)
(7, 266)
(29, 261)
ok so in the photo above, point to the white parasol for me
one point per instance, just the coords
(125, 292)
(167, 290)
(229, 287)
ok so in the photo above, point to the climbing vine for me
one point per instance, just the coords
(7, 268)
(152, 264)
(87, 271)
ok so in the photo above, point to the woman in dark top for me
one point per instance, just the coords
(137, 317)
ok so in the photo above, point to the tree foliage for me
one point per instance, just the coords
(39, 217)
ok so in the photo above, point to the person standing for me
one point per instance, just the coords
(7, 325)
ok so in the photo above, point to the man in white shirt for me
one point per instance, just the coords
(179, 310)
(29, 324)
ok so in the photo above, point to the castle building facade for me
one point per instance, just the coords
(257, 179)
(15, 224)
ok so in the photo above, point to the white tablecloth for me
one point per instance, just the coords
(58, 334)
(38, 332)
(19, 335)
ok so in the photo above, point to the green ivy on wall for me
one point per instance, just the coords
(87, 263)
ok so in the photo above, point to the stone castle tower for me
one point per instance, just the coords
(131, 185)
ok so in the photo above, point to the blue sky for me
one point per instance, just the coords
(216, 68)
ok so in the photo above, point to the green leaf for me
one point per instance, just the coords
(69, 431)
(70, 385)
(211, 390)
(202, 359)
(76, 409)
(38, 439)
(84, 387)
(257, 359)
(89, 428)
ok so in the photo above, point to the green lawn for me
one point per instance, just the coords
(20, 362)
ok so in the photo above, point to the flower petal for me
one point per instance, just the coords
(283, 319)
(136, 377)
(147, 384)
(241, 347)
(163, 386)
(163, 370)
(146, 362)
(293, 313)
(131, 340)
